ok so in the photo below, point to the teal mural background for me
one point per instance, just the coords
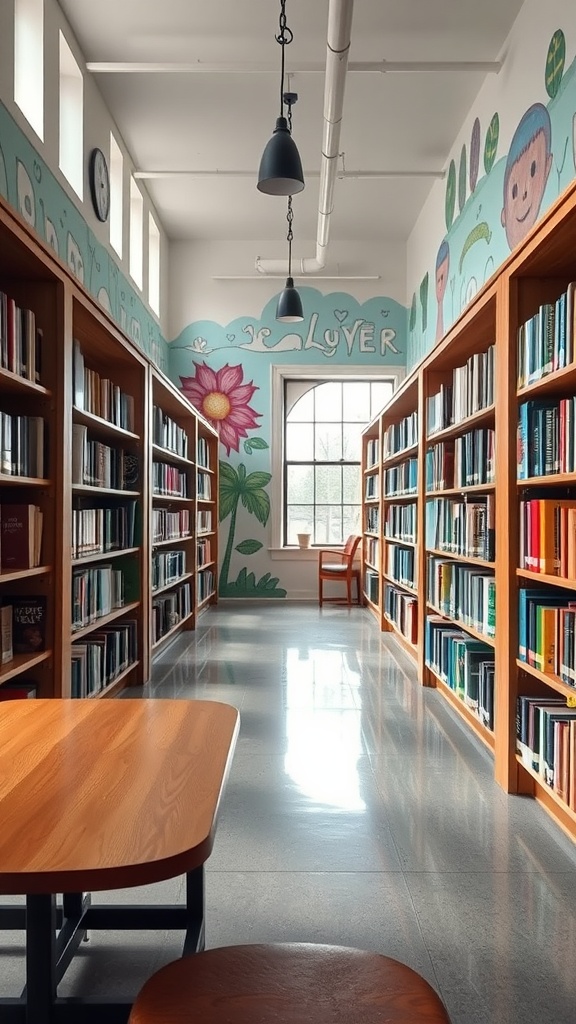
(476, 242)
(225, 371)
(30, 187)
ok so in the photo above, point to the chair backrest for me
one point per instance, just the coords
(350, 547)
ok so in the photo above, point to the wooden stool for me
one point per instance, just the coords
(293, 983)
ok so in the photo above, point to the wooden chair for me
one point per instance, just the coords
(343, 571)
(288, 984)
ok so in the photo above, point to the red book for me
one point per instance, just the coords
(20, 526)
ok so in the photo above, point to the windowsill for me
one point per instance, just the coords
(286, 554)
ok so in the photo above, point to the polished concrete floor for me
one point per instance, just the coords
(359, 811)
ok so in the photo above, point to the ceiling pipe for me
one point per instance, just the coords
(341, 175)
(337, 50)
(380, 67)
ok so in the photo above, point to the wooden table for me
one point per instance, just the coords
(103, 794)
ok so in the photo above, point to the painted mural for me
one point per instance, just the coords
(30, 187)
(488, 214)
(225, 372)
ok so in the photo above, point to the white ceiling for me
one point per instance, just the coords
(221, 121)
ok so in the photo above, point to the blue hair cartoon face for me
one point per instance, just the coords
(527, 169)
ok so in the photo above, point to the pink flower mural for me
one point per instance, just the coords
(222, 397)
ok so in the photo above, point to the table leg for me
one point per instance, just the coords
(40, 958)
(194, 938)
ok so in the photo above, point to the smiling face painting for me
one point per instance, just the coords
(527, 169)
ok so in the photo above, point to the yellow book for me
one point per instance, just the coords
(546, 638)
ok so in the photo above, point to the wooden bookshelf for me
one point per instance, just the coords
(94, 392)
(509, 326)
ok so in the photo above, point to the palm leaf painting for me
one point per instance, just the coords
(462, 180)
(555, 63)
(236, 486)
(450, 201)
(491, 143)
(474, 154)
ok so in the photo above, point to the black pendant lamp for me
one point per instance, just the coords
(281, 171)
(289, 308)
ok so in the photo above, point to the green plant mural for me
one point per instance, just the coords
(474, 154)
(462, 180)
(237, 486)
(450, 201)
(555, 63)
(255, 444)
(424, 301)
(491, 143)
(412, 323)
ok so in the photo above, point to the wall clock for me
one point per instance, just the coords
(99, 184)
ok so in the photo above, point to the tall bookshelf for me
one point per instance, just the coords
(496, 515)
(77, 459)
(206, 549)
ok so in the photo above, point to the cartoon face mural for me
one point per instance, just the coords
(527, 169)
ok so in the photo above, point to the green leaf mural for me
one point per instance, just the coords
(412, 324)
(491, 143)
(555, 63)
(474, 154)
(424, 301)
(245, 585)
(237, 486)
(450, 201)
(248, 547)
(462, 180)
(254, 443)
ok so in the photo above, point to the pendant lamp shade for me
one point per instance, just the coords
(281, 171)
(289, 308)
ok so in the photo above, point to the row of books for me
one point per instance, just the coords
(18, 689)
(99, 395)
(96, 530)
(547, 632)
(546, 441)
(205, 585)
(204, 520)
(402, 479)
(203, 486)
(548, 536)
(401, 564)
(372, 519)
(169, 480)
(402, 610)
(20, 340)
(401, 435)
(203, 453)
(400, 522)
(203, 551)
(99, 465)
(168, 434)
(102, 656)
(372, 451)
(546, 742)
(22, 445)
(167, 567)
(170, 525)
(170, 609)
(372, 550)
(372, 487)
(96, 591)
(21, 529)
(372, 585)
(466, 665)
(462, 527)
(462, 592)
(471, 389)
(22, 625)
(546, 340)
(466, 461)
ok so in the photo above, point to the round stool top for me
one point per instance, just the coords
(292, 983)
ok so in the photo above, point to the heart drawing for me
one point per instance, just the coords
(340, 315)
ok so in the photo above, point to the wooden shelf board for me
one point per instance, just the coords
(205, 565)
(399, 636)
(468, 489)
(172, 631)
(167, 453)
(16, 384)
(205, 600)
(386, 498)
(115, 492)
(543, 577)
(22, 663)
(553, 479)
(371, 501)
(205, 501)
(462, 709)
(372, 470)
(456, 429)
(22, 574)
(396, 540)
(367, 534)
(172, 540)
(174, 583)
(173, 498)
(7, 480)
(115, 685)
(76, 634)
(103, 426)
(469, 559)
(402, 453)
(462, 625)
(545, 677)
(102, 556)
(370, 565)
(403, 586)
(552, 383)
(205, 469)
(206, 533)
(553, 803)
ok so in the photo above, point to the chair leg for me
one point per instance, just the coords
(320, 591)
(349, 588)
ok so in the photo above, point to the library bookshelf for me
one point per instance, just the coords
(77, 502)
(494, 545)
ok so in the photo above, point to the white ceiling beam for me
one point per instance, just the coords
(307, 68)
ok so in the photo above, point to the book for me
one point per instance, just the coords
(20, 536)
(6, 653)
(18, 691)
(28, 623)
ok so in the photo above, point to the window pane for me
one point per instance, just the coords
(299, 442)
(381, 393)
(329, 484)
(328, 524)
(303, 409)
(350, 520)
(352, 442)
(300, 485)
(299, 519)
(329, 402)
(356, 401)
(328, 446)
(351, 484)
